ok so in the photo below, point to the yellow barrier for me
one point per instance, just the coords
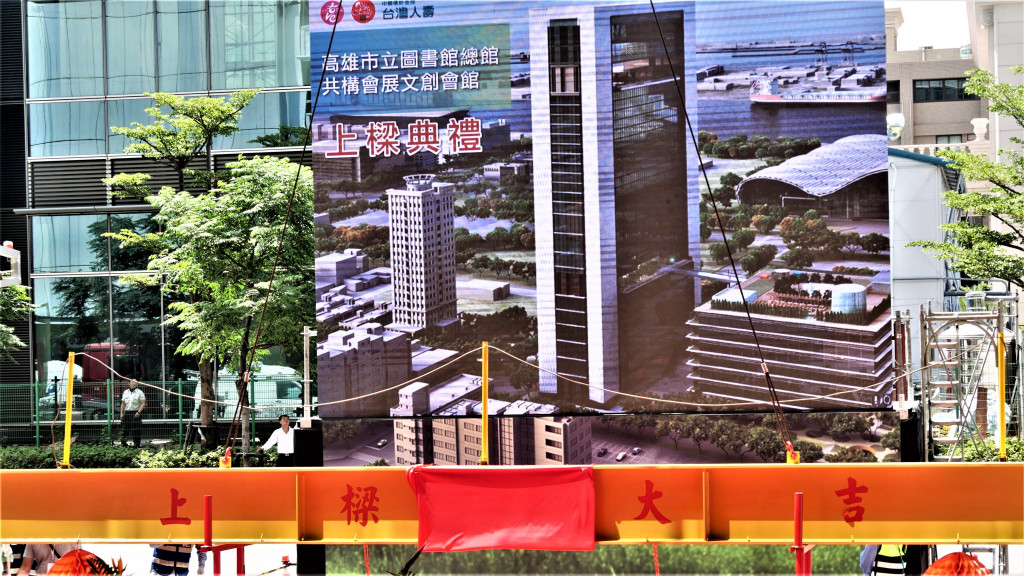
(729, 504)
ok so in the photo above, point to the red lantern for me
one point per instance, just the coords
(957, 564)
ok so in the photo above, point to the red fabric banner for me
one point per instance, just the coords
(520, 508)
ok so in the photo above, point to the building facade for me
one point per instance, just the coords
(611, 181)
(354, 363)
(422, 231)
(88, 65)
(926, 86)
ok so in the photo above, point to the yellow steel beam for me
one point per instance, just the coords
(729, 504)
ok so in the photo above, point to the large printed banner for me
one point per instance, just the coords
(600, 191)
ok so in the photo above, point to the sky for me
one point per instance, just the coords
(935, 23)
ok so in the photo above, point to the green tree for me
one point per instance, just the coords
(975, 249)
(224, 246)
(809, 451)
(719, 251)
(766, 444)
(15, 306)
(758, 257)
(728, 436)
(874, 243)
(891, 439)
(285, 136)
(742, 238)
(182, 130)
(844, 454)
(798, 258)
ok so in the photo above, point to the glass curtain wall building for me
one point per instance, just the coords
(613, 215)
(89, 64)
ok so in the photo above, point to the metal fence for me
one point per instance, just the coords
(34, 413)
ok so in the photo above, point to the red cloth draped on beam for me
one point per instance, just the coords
(520, 508)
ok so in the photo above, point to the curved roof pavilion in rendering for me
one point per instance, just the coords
(847, 178)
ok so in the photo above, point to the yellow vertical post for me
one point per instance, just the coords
(1001, 362)
(483, 440)
(66, 461)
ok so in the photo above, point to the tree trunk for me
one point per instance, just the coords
(242, 386)
(206, 411)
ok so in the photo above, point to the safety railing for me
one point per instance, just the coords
(34, 413)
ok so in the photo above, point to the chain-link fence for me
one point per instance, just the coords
(34, 413)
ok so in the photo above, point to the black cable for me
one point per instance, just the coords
(284, 228)
(776, 405)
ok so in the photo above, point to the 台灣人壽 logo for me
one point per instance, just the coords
(363, 11)
(331, 11)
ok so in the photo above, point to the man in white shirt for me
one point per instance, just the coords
(44, 555)
(133, 402)
(284, 438)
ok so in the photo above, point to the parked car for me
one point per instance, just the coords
(87, 407)
(637, 450)
(602, 451)
(620, 457)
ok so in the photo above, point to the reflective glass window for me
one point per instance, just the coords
(69, 243)
(123, 113)
(127, 259)
(65, 48)
(66, 128)
(259, 43)
(181, 33)
(264, 115)
(72, 313)
(131, 48)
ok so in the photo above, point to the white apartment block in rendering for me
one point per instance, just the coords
(421, 219)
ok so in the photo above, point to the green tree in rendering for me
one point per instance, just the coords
(15, 305)
(976, 250)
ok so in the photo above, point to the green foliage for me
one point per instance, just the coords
(285, 136)
(15, 306)
(767, 444)
(809, 451)
(855, 270)
(844, 454)
(719, 251)
(758, 257)
(637, 559)
(856, 318)
(782, 310)
(730, 179)
(873, 242)
(798, 258)
(743, 237)
(182, 128)
(974, 249)
(891, 439)
(102, 456)
(989, 452)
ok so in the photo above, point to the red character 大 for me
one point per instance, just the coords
(361, 505)
(342, 137)
(852, 514)
(465, 135)
(175, 504)
(423, 135)
(649, 508)
(382, 138)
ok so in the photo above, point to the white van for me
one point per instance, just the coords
(275, 390)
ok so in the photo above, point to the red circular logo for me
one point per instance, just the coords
(363, 11)
(331, 11)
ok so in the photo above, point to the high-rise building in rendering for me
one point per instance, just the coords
(611, 182)
(421, 220)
